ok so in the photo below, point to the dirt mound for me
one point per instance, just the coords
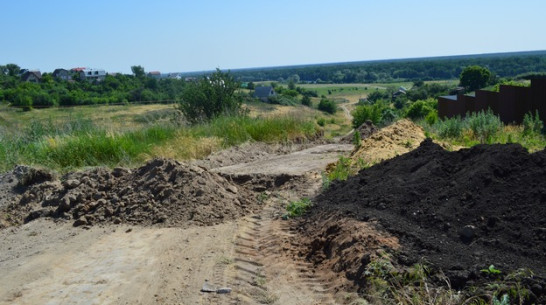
(459, 211)
(365, 130)
(162, 192)
(388, 142)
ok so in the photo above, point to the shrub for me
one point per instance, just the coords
(388, 115)
(357, 138)
(321, 122)
(364, 113)
(484, 125)
(283, 100)
(432, 117)
(290, 93)
(419, 109)
(306, 100)
(450, 128)
(210, 97)
(342, 170)
(297, 208)
(377, 95)
(496, 87)
(327, 105)
(532, 124)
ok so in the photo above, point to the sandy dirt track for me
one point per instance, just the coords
(43, 262)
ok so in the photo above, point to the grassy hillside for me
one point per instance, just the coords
(72, 138)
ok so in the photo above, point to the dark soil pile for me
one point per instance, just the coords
(163, 192)
(459, 211)
(365, 130)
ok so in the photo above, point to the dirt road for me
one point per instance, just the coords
(43, 262)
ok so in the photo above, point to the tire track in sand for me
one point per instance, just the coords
(264, 273)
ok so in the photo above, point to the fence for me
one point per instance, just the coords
(511, 103)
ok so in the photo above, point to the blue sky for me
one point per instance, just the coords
(181, 36)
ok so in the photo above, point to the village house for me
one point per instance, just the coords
(62, 74)
(264, 93)
(31, 76)
(154, 74)
(90, 74)
(399, 92)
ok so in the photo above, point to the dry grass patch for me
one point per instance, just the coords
(185, 147)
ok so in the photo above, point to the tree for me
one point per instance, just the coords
(474, 77)
(210, 97)
(13, 69)
(306, 100)
(327, 105)
(291, 85)
(294, 79)
(138, 71)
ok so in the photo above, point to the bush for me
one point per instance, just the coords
(321, 122)
(388, 115)
(364, 113)
(532, 125)
(327, 105)
(496, 87)
(290, 93)
(450, 128)
(420, 109)
(283, 100)
(377, 95)
(357, 138)
(44, 99)
(432, 117)
(484, 125)
(210, 97)
(306, 100)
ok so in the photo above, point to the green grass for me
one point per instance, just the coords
(297, 208)
(342, 170)
(77, 149)
(72, 143)
(486, 128)
(239, 129)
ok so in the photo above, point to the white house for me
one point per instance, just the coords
(92, 74)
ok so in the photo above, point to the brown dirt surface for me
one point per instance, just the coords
(251, 152)
(389, 142)
(163, 192)
(160, 252)
(459, 212)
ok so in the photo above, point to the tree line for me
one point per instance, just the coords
(202, 99)
(114, 89)
(426, 69)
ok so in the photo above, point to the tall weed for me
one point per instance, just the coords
(79, 143)
(532, 124)
(450, 128)
(484, 125)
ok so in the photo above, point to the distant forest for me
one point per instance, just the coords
(502, 65)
